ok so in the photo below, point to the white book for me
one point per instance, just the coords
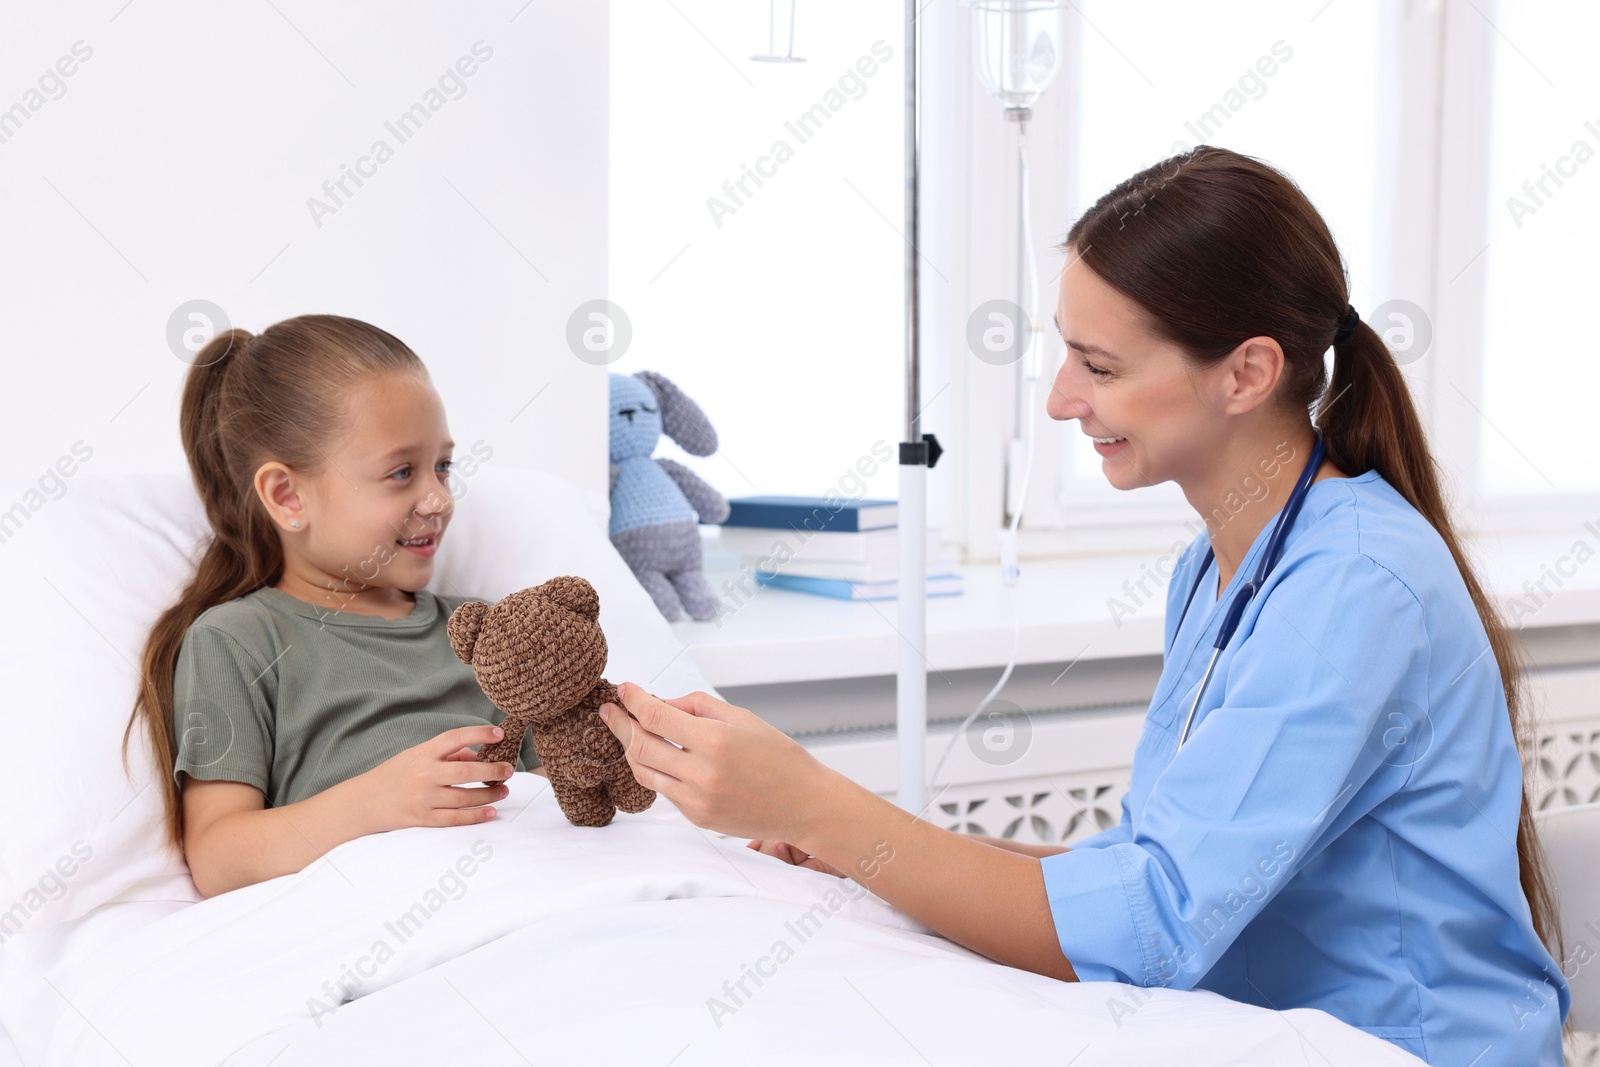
(877, 570)
(945, 585)
(776, 546)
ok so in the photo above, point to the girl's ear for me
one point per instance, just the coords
(275, 486)
(465, 624)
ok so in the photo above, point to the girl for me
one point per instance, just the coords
(1345, 826)
(303, 689)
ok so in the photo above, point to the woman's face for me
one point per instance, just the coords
(1121, 381)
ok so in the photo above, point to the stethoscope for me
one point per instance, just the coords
(1230, 622)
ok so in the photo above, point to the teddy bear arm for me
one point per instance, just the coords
(509, 748)
(602, 693)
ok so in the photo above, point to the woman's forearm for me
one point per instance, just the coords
(989, 898)
(727, 770)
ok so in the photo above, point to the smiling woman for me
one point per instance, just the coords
(1351, 785)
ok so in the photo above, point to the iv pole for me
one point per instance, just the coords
(918, 452)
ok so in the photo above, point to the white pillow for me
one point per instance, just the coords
(85, 575)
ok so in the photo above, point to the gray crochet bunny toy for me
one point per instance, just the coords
(655, 502)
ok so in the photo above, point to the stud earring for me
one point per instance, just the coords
(295, 524)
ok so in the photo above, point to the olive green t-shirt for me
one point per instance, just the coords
(293, 698)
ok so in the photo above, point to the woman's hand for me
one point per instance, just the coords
(723, 767)
(425, 784)
(793, 855)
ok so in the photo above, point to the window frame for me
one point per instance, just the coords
(1432, 200)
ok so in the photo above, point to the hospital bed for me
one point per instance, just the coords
(524, 939)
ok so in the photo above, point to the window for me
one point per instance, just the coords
(1541, 362)
(754, 240)
(1292, 85)
(778, 302)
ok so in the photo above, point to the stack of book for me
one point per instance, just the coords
(829, 546)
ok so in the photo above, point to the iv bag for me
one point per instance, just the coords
(1014, 47)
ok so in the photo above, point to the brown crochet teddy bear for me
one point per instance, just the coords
(537, 655)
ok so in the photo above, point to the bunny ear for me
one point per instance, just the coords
(466, 622)
(574, 594)
(681, 418)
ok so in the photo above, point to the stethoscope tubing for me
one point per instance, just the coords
(1269, 558)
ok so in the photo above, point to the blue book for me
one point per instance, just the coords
(816, 513)
(942, 585)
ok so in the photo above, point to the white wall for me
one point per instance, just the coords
(177, 160)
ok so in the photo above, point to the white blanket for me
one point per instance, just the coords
(649, 941)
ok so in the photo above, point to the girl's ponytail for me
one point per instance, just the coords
(244, 546)
(246, 400)
(227, 568)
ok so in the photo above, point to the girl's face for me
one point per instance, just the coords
(385, 483)
(1122, 382)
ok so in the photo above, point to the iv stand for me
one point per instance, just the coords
(918, 452)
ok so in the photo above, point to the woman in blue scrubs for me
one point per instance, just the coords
(1345, 825)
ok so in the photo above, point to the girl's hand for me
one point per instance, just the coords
(723, 767)
(425, 784)
(797, 856)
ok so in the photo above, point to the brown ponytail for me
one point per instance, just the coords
(1217, 247)
(246, 400)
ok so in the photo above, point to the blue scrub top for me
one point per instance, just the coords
(1338, 830)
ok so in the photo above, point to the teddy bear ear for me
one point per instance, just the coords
(574, 594)
(466, 622)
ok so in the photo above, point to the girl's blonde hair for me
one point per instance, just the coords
(277, 395)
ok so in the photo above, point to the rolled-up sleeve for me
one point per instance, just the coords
(1322, 673)
(1120, 833)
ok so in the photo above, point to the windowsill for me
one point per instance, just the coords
(775, 636)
